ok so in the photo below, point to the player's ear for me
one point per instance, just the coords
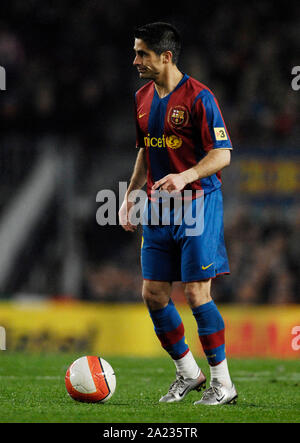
(167, 57)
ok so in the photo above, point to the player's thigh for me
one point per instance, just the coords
(156, 294)
(197, 293)
(160, 256)
(203, 256)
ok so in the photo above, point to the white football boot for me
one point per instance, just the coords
(218, 394)
(182, 386)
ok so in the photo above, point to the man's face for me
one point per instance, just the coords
(148, 63)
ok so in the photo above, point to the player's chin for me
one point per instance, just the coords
(144, 74)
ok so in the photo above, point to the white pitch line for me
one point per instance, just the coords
(36, 377)
(256, 373)
(256, 377)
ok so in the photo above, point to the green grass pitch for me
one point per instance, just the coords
(32, 390)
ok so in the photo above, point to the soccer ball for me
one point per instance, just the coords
(90, 379)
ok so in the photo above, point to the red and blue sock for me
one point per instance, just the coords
(169, 329)
(211, 330)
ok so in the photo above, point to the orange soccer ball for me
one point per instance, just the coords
(90, 379)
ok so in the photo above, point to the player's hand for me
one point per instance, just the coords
(170, 183)
(124, 216)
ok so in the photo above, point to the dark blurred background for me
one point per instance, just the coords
(67, 132)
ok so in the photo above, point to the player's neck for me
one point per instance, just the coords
(168, 81)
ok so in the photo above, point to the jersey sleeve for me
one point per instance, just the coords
(139, 135)
(208, 119)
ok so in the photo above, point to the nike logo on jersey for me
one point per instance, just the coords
(142, 115)
(208, 266)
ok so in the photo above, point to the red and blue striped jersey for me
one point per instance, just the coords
(178, 130)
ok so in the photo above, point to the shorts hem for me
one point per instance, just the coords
(206, 278)
(170, 280)
(159, 279)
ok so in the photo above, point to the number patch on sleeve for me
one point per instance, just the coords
(220, 134)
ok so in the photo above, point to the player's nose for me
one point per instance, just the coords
(136, 60)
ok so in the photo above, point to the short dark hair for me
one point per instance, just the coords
(160, 37)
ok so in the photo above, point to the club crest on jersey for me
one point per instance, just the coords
(178, 116)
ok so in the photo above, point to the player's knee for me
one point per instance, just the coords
(155, 297)
(197, 293)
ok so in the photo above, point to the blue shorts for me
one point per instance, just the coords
(170, 253)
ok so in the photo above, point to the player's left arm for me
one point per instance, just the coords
(214, 161)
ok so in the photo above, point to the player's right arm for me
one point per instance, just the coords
(137, 181)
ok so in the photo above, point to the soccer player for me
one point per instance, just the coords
(183, 145)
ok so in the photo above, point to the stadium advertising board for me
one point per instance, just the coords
(264, 331)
